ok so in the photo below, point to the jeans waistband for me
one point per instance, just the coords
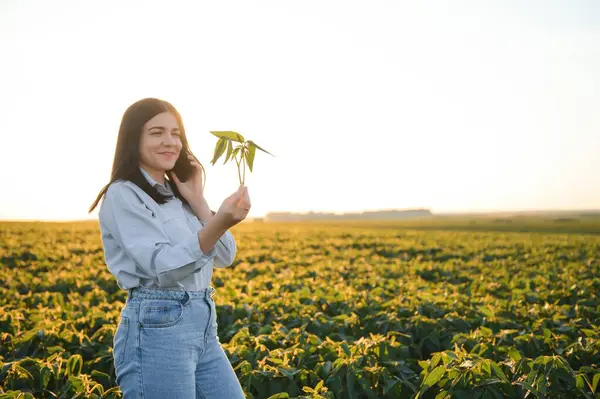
(157, 293)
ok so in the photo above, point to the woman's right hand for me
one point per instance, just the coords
(235, 208)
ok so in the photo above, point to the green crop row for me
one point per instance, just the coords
(327, 311)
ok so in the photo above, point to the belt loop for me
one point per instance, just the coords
(186, 298)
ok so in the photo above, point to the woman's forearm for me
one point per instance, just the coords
(202, 210)
(210, 234)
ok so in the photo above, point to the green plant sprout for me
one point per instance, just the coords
(245, 150)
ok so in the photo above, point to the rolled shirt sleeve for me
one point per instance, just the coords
(225, 249)
(141, 236)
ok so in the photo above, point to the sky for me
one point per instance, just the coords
(453, 106)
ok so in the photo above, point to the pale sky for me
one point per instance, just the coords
(447, 105)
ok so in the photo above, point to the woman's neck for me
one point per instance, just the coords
(157, 175)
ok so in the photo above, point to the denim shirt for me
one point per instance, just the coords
(152, 245)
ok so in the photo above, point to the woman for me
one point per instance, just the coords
(161, 242)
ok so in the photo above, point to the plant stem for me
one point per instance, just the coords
(243, 161)
(238, 166)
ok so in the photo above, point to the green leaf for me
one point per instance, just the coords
(249, 153)
(235, 151)
(547, 333)
(336, 384)
(527, 386)
(514, 354)
(581, 385)
(289, 373)
(74, 365)
(595, 382)
(45, 375)
(485, 366)
(435, 375)
(443, 395)
(229, 135)
(346, 349)
(100, 376)
(337, 365)
(219, 149)
(499, 372)
(253, 144)
(280, 395)
(490, 381)
(10, 394)
(365, 384)
(457, 379)
(77, 383)
(435, 360)
(350, 384)
(462, 394)
(588, 332)
(229, 150)
(495, 393)
(319, 385)
(487, 311)
(390, 384)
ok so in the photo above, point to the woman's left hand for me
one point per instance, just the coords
(191, 189)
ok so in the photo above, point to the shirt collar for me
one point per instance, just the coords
(162, 189)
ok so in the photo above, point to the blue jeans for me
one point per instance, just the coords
(166, 346)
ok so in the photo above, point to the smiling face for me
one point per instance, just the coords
(160, 145)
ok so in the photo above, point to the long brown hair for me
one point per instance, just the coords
(127, 153)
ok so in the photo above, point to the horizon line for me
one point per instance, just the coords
(306, 213)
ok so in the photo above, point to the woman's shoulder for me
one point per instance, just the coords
(117, 188)
(123, 197)
(123, 192)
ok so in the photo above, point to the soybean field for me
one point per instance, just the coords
(330, 310)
